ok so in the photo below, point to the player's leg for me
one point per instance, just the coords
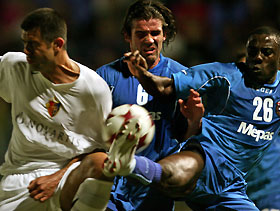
(180, 173)
(87, 187)
(176, 175)
(88, 182)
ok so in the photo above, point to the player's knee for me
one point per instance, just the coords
(92, 165)
(180, 172)
(177, 182)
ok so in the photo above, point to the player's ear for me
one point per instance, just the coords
(58, 43)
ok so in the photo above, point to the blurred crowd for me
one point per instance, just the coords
(208, 30)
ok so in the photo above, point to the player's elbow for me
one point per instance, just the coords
(165, 93)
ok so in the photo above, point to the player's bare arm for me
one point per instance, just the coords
(42, 188)
(161, 87)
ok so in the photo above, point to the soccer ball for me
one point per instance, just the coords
(119, 115)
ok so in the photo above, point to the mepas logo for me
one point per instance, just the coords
(253, 132)
(155, 115)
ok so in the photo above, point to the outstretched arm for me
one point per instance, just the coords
(161, 87)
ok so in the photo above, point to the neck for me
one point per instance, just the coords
(64, 70)
(155, 63)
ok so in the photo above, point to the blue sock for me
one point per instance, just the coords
(146, 170)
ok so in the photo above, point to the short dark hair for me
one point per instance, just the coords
(266, 30)
(51, 24)
(147, 9)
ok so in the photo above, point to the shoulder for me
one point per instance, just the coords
(89, 75)
(93, 83)
(217, 68)
(114, 71)
(167, 67)
(13, 57)
(14, 62)
(115, 66)
(94, 89)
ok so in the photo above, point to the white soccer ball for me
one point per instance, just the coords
(119, 115)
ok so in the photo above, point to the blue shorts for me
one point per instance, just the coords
(220, 186)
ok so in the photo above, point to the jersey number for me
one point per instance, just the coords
(266, 105)
(142, 95)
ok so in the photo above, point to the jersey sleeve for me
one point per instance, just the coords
(202, 78)
(5, 78)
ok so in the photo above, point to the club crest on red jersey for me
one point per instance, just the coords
(278, 108)
(53, 106)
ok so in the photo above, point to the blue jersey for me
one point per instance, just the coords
(239, 125)
(127, 194)
(264, 180)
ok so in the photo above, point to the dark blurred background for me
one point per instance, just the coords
(208, 30)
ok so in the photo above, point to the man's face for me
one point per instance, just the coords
(148, 38)
(38, 52)
(262, 57)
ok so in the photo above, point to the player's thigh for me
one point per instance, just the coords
(182, 167)
(54, 201)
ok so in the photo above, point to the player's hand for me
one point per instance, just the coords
(42, 188)
(136, 63)
(192, 109)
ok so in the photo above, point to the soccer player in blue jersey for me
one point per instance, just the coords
(241, 121)
(148, 25)
(264, 180)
